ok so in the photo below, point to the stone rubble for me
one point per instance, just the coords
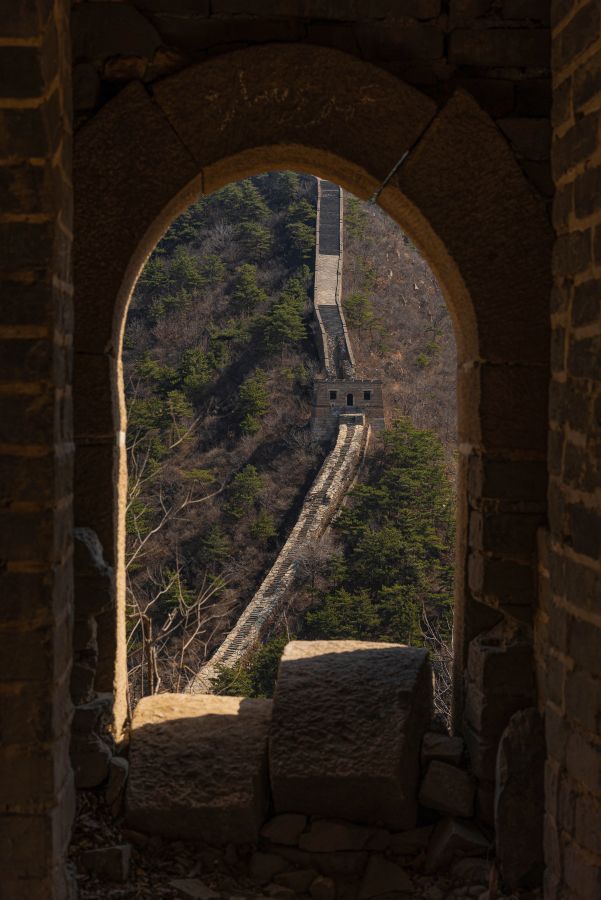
(108, 863)
(293, 853)
(448, 789)
(193, 889)
(442, 747)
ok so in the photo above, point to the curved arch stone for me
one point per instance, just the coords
(303, 106)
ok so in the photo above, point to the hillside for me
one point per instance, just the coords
(399, 324)
(219, 364)
(218, 367)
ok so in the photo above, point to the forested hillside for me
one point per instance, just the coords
(219, 363)
(399, 324)
(218, 367)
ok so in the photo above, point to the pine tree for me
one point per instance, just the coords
(247, 294)
(244, 491)
(253, 402)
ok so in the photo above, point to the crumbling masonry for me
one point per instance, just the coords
(114, 118)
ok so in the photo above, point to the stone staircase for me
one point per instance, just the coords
(335, 346)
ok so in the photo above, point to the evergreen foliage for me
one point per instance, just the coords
(397, 550)
(253, 402)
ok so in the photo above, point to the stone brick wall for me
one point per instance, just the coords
(497, 50)
(36, 784)
(570, 618)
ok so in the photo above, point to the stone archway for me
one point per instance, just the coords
(459, 194)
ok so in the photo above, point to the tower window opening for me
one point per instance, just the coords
(333, 395)
(349, 399)
(367, 395)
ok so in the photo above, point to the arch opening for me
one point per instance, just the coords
(463, 201)
(239, 314)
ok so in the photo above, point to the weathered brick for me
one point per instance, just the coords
(533, 97)
(22, 71)
(464, 12)
(583, 760)
(25, 19)
(500, 533)
(415, 41)
(587, 821)
(500, 47)
(586, 305)
(558, 348)
(584, 643)
(555, 680)
(585, 527)
(597, 245)
(535, 10)
(518, 480)
(580, 32)
(556, 734)
(502, 582)
(575, 145)
(560, 295)
(583, 701)
(27, 133)
(530, 138)
(586, 192)
(561, 108)
(555, 450)
(573, 464)
(563, 205)
(572, 253)
(560, 627)
(587, 81)
(583, 357)
(570, 402)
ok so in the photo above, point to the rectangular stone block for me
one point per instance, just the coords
(500, 47)
(198, 767)
(348, 721)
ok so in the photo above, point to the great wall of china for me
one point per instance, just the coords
(344, 408)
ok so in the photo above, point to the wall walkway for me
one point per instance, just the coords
(320, 505)
(338, 470)
(333, 340)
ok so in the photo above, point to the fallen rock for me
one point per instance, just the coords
(117, 779)
(90, 758)
(357, 761)
(452, 838)
(448, 790)
(91, 716)
(443, 747)
(193, 889)
(277, 890)
(379, 840)
(198, 767)
(326, 836)
(520, 802)
(109, 863)
(472, 870)
(263, 866)
(284, 829)
(344, 863)
(323, 889)
(409, 843)
(298, 880)
(384, 877)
